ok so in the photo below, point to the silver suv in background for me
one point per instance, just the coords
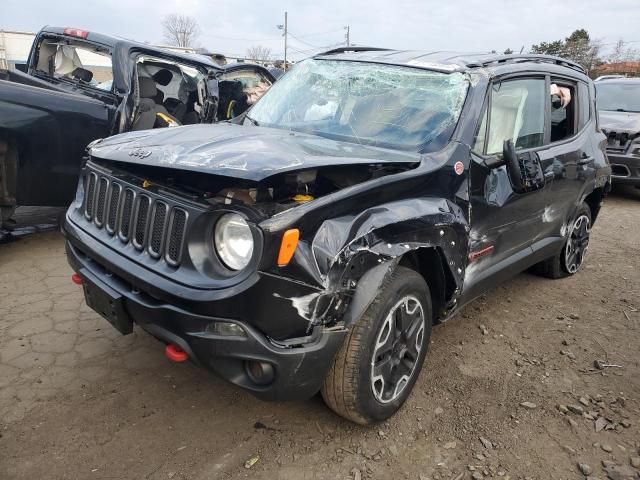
(619, 111)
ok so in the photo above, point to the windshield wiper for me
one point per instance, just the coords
(253, 122)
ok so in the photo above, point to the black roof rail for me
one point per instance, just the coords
(333, 51)
(528, 58)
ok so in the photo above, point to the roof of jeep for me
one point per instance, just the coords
(445, 61)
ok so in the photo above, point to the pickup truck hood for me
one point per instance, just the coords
(246, 152)
(619, 121)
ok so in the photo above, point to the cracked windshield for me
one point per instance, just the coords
(383, 105)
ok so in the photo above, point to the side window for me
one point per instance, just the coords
(583, 105)
(563, 110)
(516, 113)
(79, 62)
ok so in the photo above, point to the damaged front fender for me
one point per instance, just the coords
(351, 256)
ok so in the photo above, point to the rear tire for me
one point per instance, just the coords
(570, 259)
(381, 358)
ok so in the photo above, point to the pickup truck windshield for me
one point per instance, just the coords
(77, 62)
(383, 105)
(614, 96)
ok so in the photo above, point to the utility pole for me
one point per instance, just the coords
(284, 27)
(347, 35)
(285, 41)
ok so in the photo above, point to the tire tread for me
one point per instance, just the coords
(340, 388)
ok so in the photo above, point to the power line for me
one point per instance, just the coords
(241, 39)
(320, 33)
(302, 41)
(313, 51)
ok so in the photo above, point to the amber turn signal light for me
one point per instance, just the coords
(288, 246)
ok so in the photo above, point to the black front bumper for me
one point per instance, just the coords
(299, 366)
(625, 169)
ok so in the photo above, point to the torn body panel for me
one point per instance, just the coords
(350, 256)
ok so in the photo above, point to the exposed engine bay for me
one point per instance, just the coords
(270, 196)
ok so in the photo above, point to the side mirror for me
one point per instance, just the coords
(512, 162)
(524, 169)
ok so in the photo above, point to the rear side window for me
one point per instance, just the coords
(584, 105)
(516, 113)
(563, 110)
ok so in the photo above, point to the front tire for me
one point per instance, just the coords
(570, 259)
(381, 358)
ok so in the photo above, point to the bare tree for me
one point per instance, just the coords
(623, 53)
(180, 30)
(259, 54)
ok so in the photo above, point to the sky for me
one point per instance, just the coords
(230, 27)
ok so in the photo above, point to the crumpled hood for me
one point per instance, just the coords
(247, 152)
(619, 121)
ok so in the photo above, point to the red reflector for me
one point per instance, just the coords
(473, 256)
(76, 32)
(77, 279)
(175, 353)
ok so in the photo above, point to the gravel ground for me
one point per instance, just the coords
(509, 389)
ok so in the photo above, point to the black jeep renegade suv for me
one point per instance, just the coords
(369, 194)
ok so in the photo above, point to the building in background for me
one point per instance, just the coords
(14, 48)
(628, 69)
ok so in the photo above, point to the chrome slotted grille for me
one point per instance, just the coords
(136, 217)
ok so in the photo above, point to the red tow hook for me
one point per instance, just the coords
(175, 353)
(77, 279)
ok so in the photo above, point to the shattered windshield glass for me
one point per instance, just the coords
(383, 105)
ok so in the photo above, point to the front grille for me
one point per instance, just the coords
(125, 216)
(91, 193)
(103, 184)
(618, 142)
(137, 217)
(157, 231)
(176, 235)
(142, 216)
(114, 202)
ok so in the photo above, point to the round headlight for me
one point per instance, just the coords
(233, 241)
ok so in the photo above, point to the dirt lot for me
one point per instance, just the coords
(77, 400)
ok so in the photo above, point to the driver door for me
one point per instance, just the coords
(504, 222)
